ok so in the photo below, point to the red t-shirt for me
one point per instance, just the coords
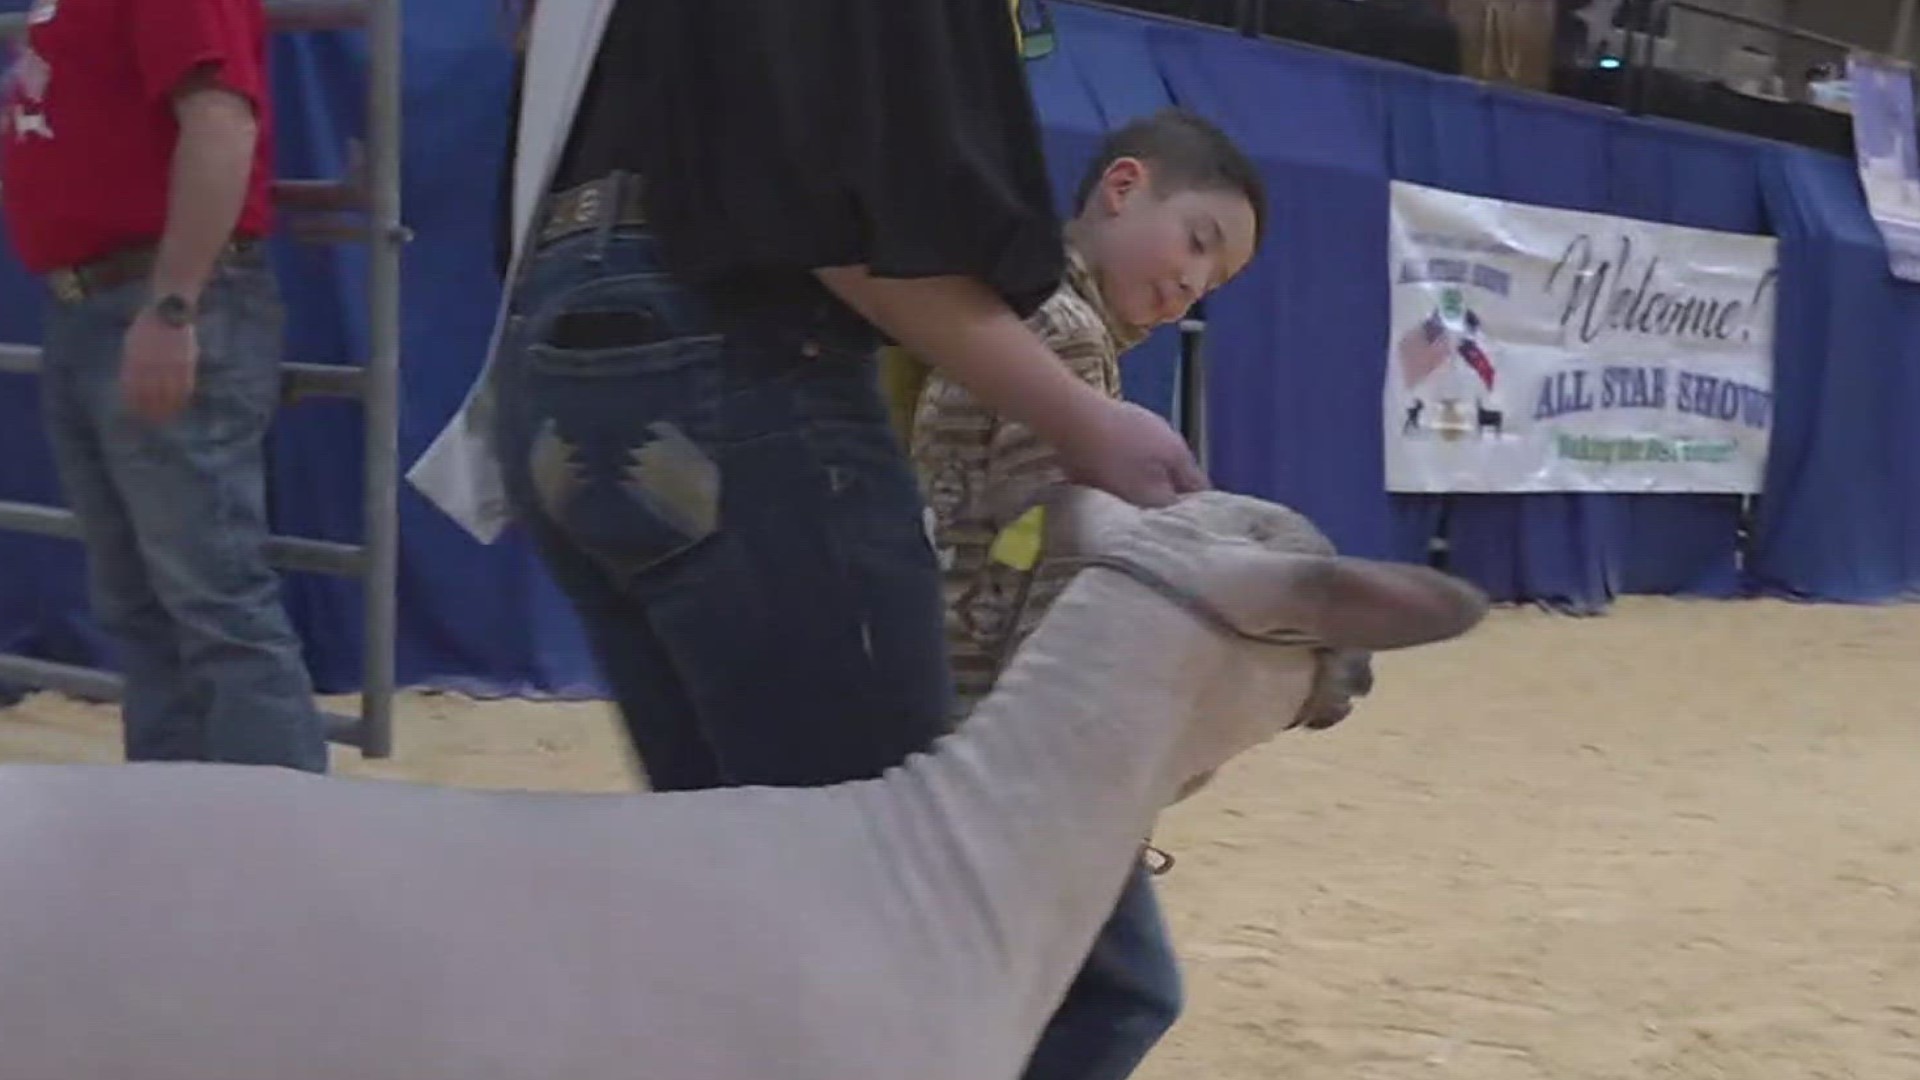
(87, 129)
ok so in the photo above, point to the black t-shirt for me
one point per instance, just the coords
(778, 136)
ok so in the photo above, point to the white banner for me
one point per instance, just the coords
(1538, 350)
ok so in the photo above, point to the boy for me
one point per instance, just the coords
(1169, 211)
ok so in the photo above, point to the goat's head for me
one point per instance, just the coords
(1291, 625)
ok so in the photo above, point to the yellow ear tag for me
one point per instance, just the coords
(1018, 545)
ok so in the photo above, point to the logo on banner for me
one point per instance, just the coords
(1447, 363)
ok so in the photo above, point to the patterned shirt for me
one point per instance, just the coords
(985, 475)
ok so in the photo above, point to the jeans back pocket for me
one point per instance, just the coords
(627, 324)
(631, 511)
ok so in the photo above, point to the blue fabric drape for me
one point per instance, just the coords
(1838, 520)
(1296, 346)
(479, 619)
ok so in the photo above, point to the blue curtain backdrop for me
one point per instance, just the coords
(1296, 346)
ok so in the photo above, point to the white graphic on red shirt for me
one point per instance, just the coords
(24, 89)
(42, 12)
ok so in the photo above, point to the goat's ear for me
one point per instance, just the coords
(1084, 521)
(1340, 602)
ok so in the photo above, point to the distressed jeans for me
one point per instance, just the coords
(719, 492)
(175, 523)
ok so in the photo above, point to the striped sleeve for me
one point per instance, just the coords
(1021, 467)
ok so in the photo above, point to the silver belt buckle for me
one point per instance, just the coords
(586, 209)
(590, 206)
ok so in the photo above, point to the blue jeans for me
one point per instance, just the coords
(717, 488)
(721, 498)
(174, 520)
(1123, 1001)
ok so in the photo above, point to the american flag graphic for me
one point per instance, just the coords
(1423, 349)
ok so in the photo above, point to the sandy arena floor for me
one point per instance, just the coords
(1665, 843)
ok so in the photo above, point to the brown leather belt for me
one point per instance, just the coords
(73, 284)
(613, 201)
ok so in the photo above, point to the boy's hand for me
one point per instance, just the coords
(1132, 453)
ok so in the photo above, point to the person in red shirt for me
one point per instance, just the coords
(135, 164)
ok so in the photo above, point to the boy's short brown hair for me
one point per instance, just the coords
(1186, 152)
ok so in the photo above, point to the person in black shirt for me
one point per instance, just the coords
(753, 196)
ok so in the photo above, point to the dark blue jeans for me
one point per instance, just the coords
(174, 518)
(718, 489)
(720, 496)
(1126, 997)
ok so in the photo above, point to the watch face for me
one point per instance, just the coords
(173, 310)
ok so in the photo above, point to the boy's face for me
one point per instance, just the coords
(1155, 255)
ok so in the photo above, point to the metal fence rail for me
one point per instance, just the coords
(375, 192)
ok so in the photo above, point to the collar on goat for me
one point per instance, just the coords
(1191, 601)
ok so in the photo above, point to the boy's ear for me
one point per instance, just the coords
(1124, 178)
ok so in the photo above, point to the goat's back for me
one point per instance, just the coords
(185, 922)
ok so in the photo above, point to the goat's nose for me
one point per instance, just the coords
(1329, 716)
(1360, 675)
(1353, 673)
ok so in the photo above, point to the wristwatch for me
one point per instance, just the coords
(174, 310)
